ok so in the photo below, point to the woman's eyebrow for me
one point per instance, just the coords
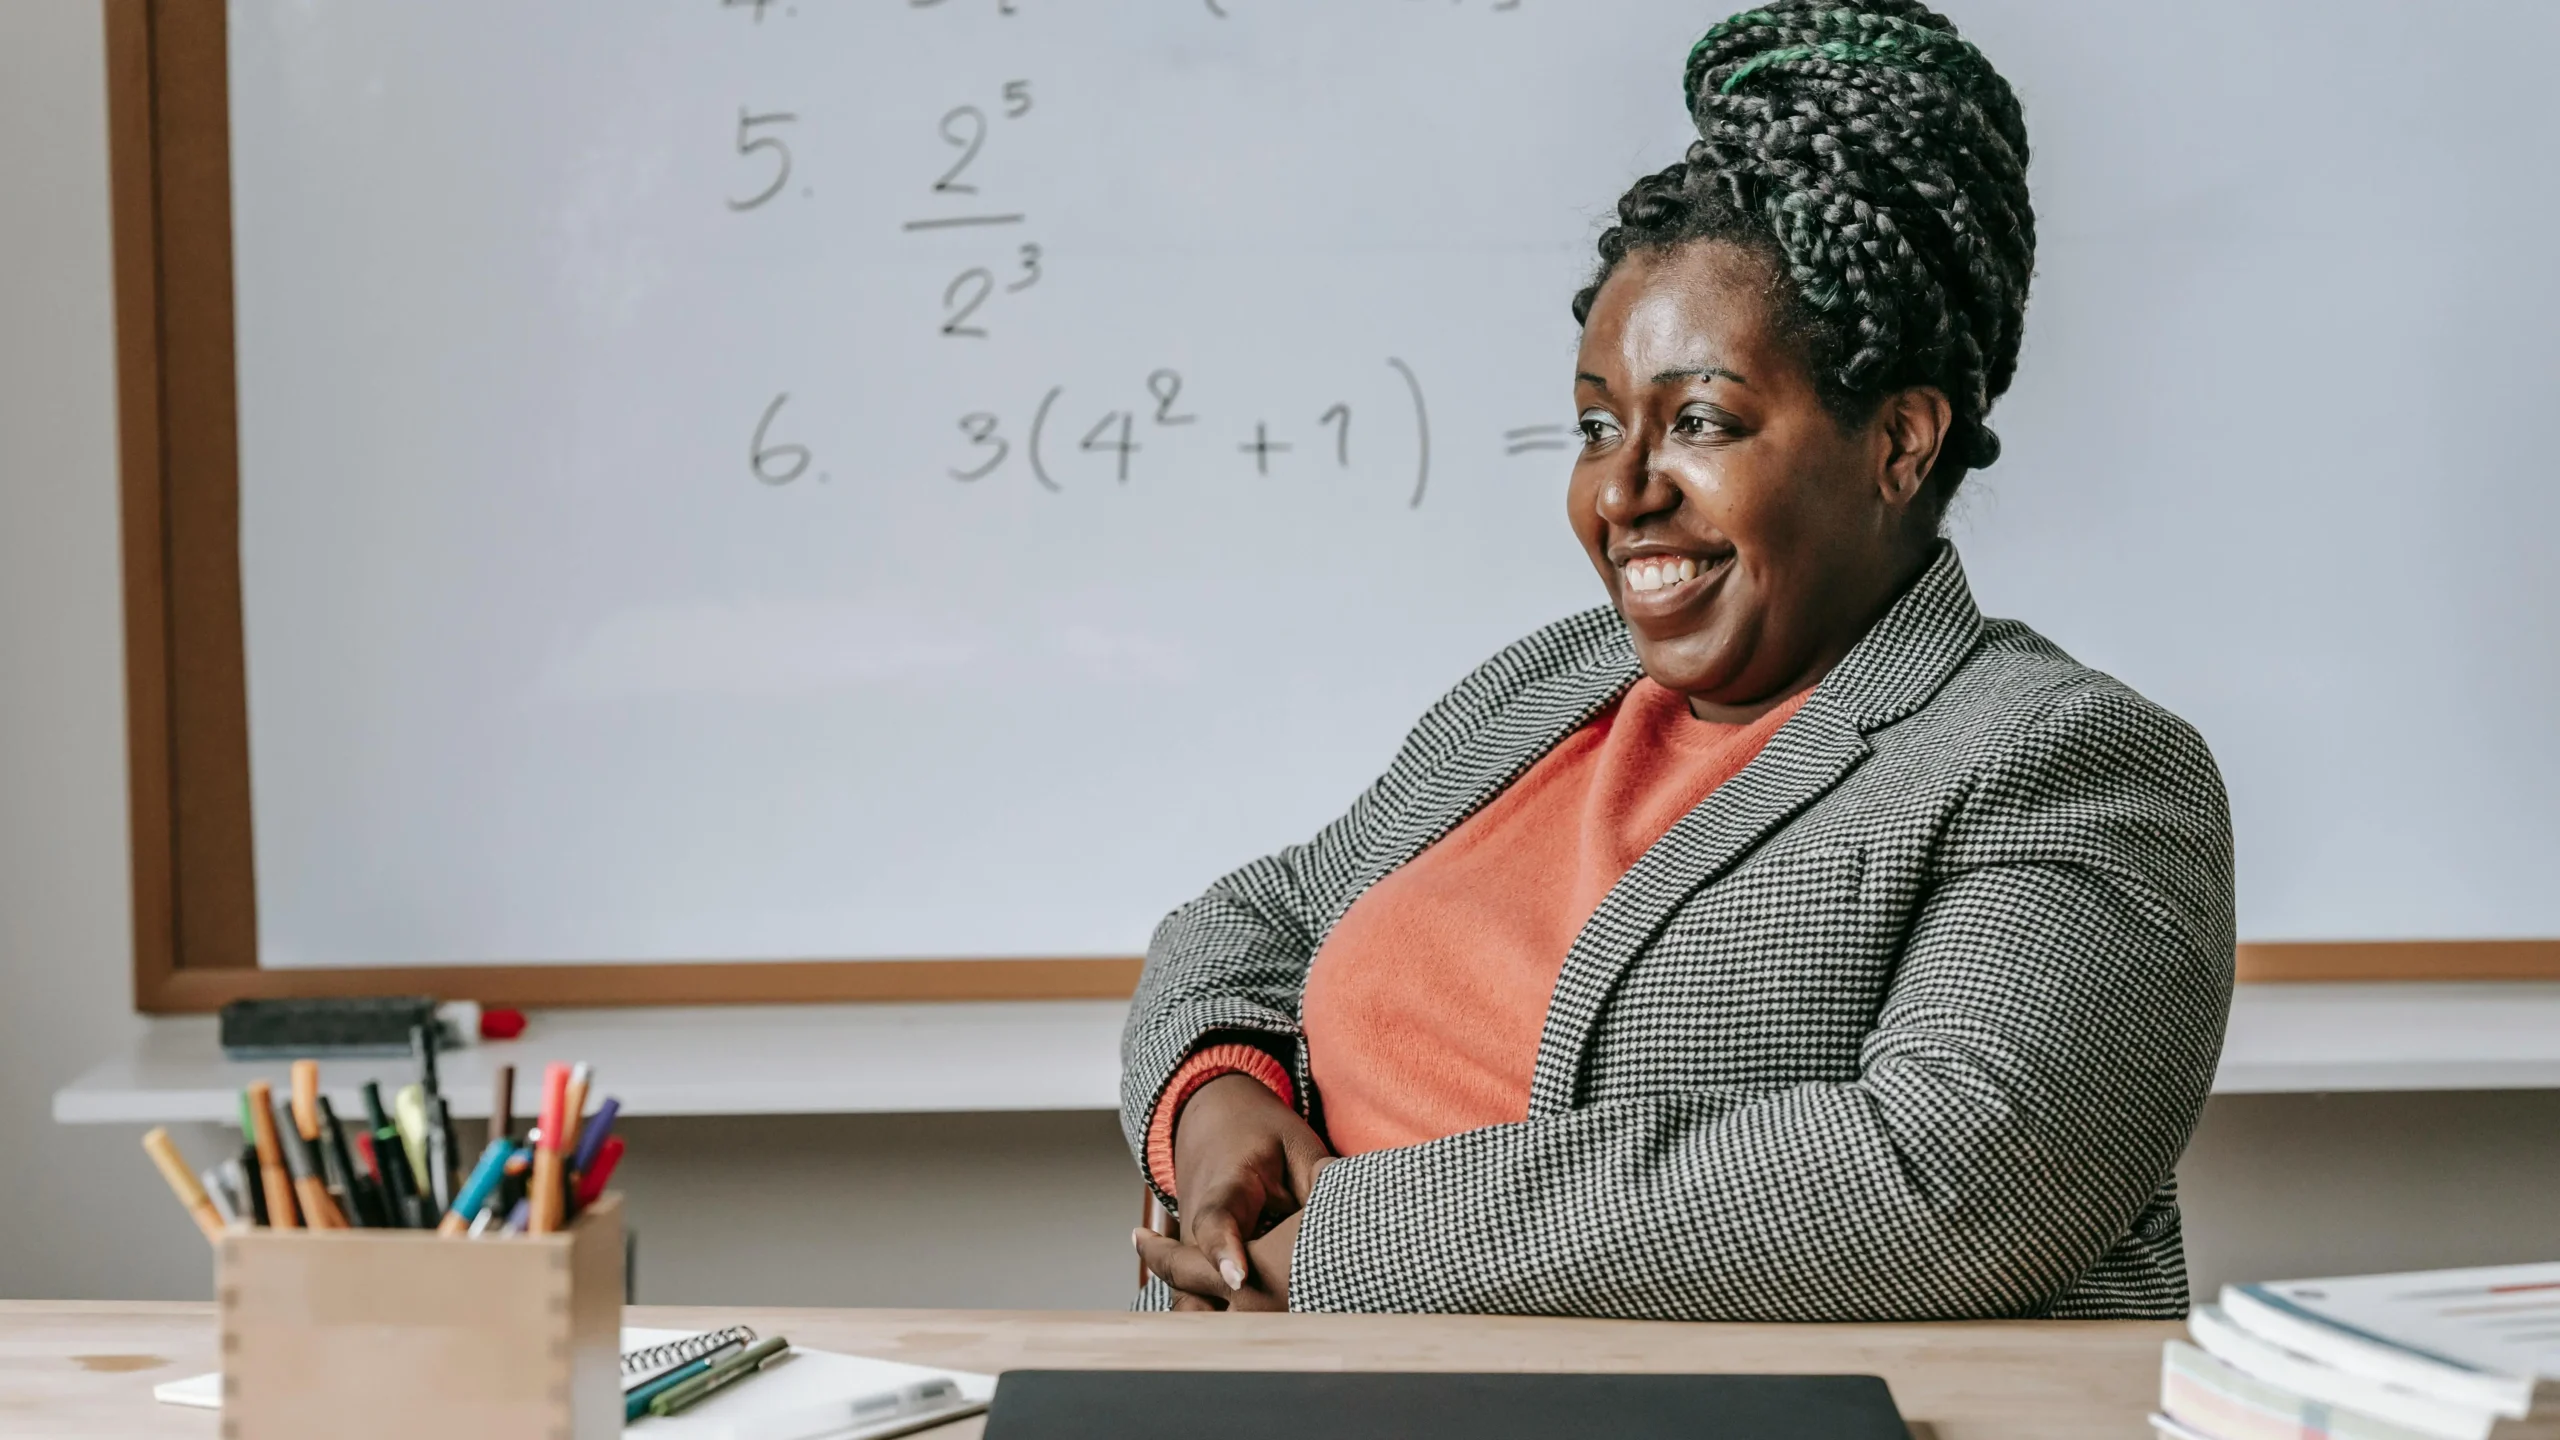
(1699, 372)
(1587, 378)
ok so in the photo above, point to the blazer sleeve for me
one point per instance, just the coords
(1232, 964)
(2036, 1067)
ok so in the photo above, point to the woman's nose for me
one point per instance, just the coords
(1634, 488)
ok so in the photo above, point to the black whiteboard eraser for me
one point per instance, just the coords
(296, 1029)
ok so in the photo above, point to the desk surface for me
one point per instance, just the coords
(1065, 1055)
(86, 1369)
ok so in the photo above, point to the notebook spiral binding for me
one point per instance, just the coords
(658, 1359)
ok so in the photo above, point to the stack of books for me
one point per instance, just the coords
(2433, 1355)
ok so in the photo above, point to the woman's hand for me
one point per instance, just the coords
(1196, 1283)
(1243, 1161)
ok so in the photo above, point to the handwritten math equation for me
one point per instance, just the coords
(990, 241)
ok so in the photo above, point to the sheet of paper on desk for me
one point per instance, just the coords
(811, 1396)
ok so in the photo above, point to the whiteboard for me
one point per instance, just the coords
(734, 481)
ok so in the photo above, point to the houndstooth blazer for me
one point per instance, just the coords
(1908, 1020)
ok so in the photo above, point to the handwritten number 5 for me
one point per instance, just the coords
(749, 143)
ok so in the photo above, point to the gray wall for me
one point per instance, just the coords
(978, 1211)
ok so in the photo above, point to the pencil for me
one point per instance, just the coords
(277, 1185)
(182, 1182)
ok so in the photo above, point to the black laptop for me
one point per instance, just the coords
(1302, 1405)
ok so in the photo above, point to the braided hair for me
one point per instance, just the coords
(1878, 162)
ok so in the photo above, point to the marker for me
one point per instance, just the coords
(477, 1189)
(547, 1206)
(636, 1404)
(591, 1181)
(720, 1377)
(271, 1171)
(251, 1184)
(182, 1182)
(319, 1212)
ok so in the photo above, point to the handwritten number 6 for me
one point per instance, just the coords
(762, 458)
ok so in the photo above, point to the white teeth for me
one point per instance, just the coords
(1652, 577)
(1688, 570)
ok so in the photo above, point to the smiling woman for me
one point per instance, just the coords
(1782, 940)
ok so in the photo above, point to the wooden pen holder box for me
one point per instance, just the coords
(393, 1334)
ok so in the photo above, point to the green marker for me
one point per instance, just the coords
(702, 1387)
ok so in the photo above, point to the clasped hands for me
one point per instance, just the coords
(1245, 1165)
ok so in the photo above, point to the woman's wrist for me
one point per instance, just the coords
(1209, 1063)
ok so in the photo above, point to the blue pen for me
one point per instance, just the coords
(593, 1139)
(636, 1404)
(477, 1189)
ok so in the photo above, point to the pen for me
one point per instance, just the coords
(439, 1153)
(591, 1139)
(240, 1177)
(476, 1190)
(218, 1190)
(422, 1042)
(318, 1211)
(636, 1403)
(721, 1376)
(353, 1192)
(547, 1208)
(182, 1182)
(278, 1187)
(502, 1102)
(390, 1161)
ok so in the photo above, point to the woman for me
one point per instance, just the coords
(1783, 941)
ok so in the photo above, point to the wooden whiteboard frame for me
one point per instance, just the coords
(195, 898)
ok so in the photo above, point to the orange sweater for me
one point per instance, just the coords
(1423, 1008)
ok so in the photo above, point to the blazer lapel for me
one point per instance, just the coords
(1892, 671)
(1496, 754)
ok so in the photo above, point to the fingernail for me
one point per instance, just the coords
(1232, 1273)
(1137, 1238)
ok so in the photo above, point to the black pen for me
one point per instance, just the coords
(339, 1171)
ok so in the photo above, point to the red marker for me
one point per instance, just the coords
(591, 1184)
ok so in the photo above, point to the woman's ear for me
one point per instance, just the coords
(1914, 425)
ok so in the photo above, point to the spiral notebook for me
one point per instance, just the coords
(815, 1395)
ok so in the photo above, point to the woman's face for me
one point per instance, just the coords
(1748, 537)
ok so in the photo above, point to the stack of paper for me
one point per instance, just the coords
(2434, 1355)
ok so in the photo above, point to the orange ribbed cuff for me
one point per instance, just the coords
(1205, 1065)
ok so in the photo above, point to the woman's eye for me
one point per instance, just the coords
(1695, 424)
(1597, 427)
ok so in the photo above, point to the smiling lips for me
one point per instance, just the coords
(1650, 573)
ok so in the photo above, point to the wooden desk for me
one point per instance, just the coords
(86, 1369)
